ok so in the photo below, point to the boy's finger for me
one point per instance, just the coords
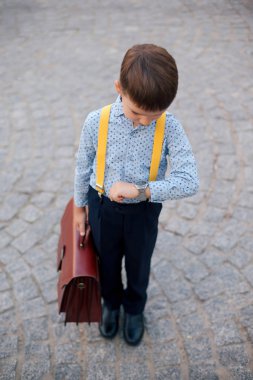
(86, 214)
(82, 229)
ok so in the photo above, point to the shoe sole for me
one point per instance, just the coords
(131, 343)
(110, 336)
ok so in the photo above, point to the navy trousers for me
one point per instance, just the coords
(119, 230)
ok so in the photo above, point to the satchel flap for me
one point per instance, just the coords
(83, 262)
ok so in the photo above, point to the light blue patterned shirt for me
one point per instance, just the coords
(128, 157)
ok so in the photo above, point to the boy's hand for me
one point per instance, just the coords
(121, 190)
(80, 217)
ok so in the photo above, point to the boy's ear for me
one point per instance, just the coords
(118, 87)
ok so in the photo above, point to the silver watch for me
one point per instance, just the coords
(142, 192)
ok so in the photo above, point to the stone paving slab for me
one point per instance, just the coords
(58, 62)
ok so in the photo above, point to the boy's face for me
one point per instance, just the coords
(137, 115)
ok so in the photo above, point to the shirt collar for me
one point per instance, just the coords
(118, 108)
(118, 111)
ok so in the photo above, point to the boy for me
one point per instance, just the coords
(124, 220)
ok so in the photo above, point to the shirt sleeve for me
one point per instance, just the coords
(182, 180)
(84, 162)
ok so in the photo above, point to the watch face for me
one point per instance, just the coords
(142, 193)
(142, 187)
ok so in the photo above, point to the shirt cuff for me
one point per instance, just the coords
(174, 188)
(155, 192)
(80, 200)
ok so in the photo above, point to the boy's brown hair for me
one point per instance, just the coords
(149, 77)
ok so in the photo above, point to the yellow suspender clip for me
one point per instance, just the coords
(102, 142)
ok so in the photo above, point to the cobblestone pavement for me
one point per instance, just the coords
(58, 61)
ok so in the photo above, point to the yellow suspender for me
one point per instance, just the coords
(101, 152)
(102, 142)
(157, 147)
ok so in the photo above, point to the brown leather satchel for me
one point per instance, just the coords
(78, 283)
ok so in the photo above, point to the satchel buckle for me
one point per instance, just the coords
(81, 285)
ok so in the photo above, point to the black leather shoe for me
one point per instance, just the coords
(133, 329)
(110, 323)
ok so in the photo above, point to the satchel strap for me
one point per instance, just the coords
(102, 142)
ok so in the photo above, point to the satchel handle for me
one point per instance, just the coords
(84, 238)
